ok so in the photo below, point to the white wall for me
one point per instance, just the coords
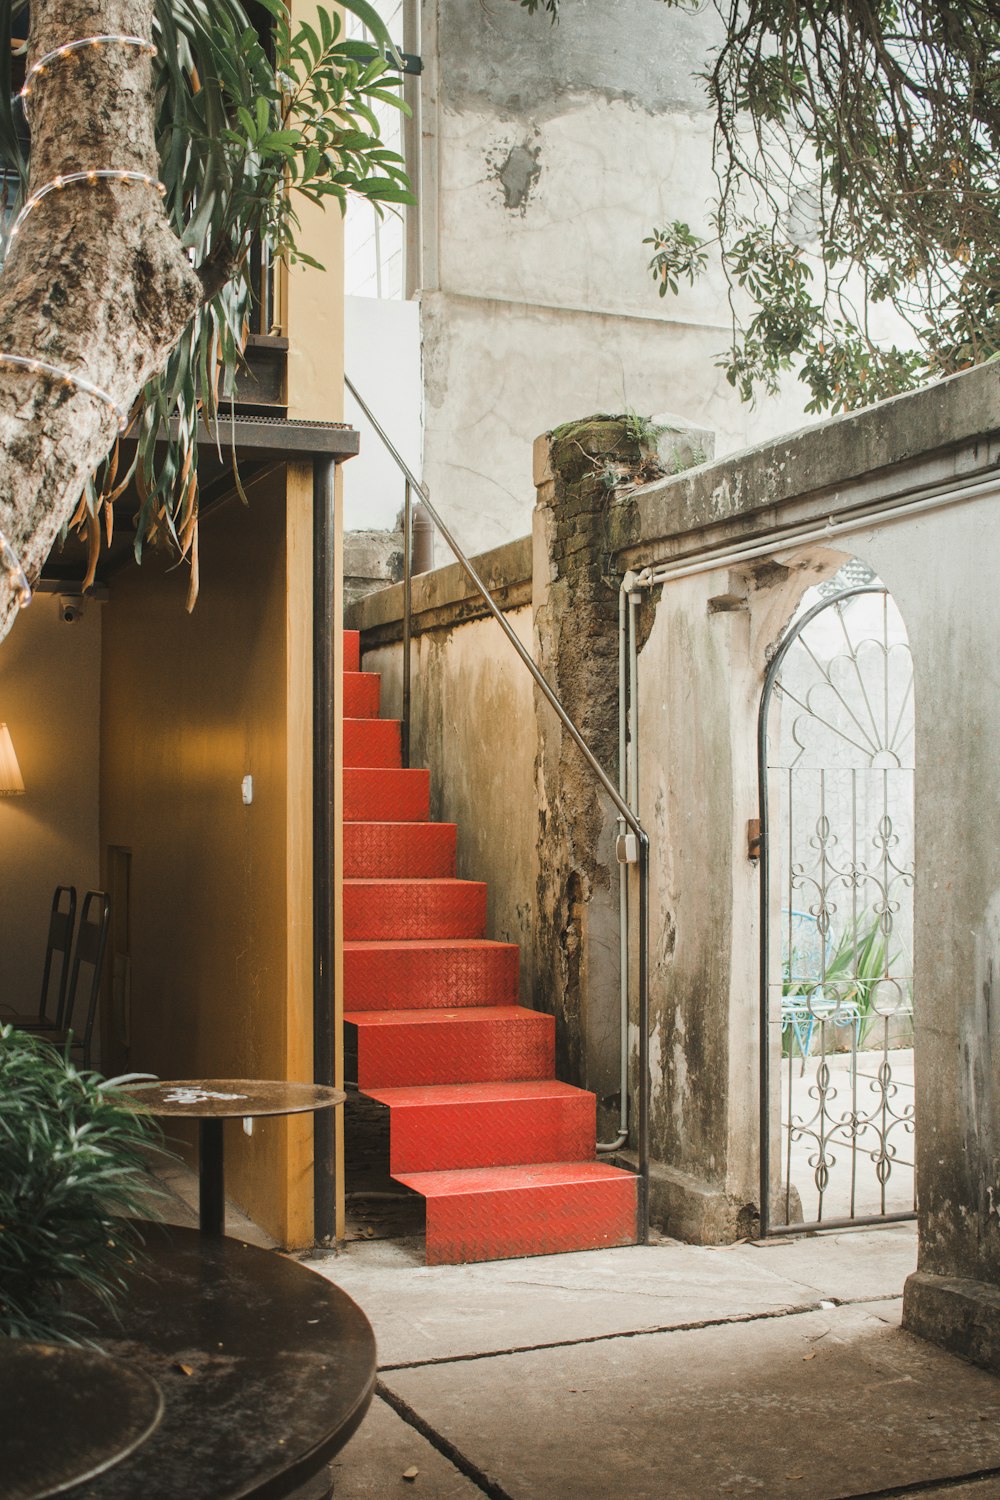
(382, 358)
(549, 154)
(50, 689)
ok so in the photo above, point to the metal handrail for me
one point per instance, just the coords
(625, 812)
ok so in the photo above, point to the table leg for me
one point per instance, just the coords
(211, 1192)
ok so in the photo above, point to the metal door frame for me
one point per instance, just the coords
(774, 667)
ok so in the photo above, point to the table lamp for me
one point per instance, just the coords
(11, 781)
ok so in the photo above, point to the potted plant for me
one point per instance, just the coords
(73, 1165)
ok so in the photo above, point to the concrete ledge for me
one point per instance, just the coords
(446, 597)
(947, 431)
(957, 1313)
(687, 1208)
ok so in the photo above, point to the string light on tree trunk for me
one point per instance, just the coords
(119, 39)
(67, 378)
(15, 573)
(90, 176)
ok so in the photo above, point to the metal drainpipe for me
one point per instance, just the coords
(324, 809)
(607, 1147)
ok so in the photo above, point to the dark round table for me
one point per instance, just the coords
(266, 1370)
(67, 1415)
(212, 1101)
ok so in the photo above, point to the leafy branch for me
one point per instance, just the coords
(855, 155)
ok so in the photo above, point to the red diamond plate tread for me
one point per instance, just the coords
(386, 794)
(372, 742)
(397, 850)
(362, 695)
(414, 909)
(453, 1046)
(352, 650)
(450, 1125)
(493, 1213)
(456, 972)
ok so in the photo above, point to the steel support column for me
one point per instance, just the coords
(324, 812)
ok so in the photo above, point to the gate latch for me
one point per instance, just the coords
(753, 839)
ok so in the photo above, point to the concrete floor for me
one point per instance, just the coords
(667, 1372)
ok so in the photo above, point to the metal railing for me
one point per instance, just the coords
(624, 811)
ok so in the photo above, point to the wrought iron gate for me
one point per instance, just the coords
(835, 768)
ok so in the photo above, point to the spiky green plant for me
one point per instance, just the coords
(72, 1163)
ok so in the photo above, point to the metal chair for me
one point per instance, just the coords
(85, 989)
(58, 947)
(805, 998)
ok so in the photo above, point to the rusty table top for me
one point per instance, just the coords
(231, 1098)
(68, 1415)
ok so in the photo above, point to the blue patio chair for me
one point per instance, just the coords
(804, 966)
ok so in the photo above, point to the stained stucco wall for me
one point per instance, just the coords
(549, 153)
(705, 641)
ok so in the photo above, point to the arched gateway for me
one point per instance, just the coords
(835, 767)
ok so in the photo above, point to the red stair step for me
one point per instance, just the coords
(384, 794)
(475, 1045)
(396, 850)
(414, 909)
(493, 1213)
(417, 975)
(352, 650)
(362, 695)
(372, 742)
(444, 1126)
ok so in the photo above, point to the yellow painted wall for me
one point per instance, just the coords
(220, 892)
(312, 303)
(50, 686)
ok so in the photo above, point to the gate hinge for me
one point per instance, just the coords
(753, 839)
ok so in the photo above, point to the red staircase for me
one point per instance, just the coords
(502, 1153)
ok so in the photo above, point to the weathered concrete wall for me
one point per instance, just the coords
(549, 153)
(584, 472)
(698, 701)
(705, 641)
(372, 560)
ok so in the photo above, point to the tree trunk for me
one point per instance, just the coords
(96, 282)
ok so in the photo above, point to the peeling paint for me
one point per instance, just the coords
(517, 173)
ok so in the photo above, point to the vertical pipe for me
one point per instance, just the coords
(324, 812)
(407, 606)
(266, 310)
(642, 1143)
(643, 1132)
(764, 877)
(623, 870)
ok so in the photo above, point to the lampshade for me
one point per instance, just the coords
(11, 784)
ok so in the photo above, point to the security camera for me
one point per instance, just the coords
(70, 608)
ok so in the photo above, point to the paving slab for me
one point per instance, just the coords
(371, 1466)
(845, 1266)
(443, 1312)
(820, 1406)
(446, 1312)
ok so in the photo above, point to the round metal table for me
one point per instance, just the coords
(211, 1101)
(266, 1370)
(68, 1414)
